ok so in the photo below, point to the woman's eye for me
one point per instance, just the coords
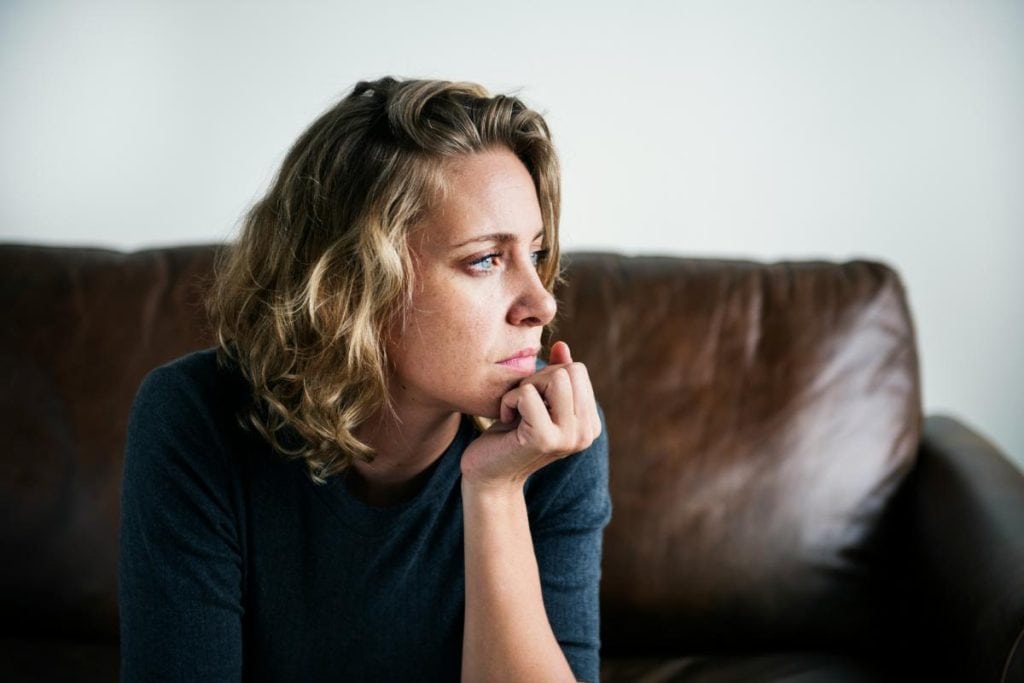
(490, 262)
(485, 263)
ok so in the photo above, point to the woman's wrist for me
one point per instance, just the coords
(492, 493)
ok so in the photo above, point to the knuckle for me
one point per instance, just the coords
(551, 442)
(555, 441)
(586, 435)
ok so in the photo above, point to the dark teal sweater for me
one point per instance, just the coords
(236, 566)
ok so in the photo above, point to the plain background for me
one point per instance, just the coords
(892, 130)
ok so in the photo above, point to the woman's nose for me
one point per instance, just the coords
(534, 305)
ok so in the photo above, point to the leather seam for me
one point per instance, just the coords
(1013, 652)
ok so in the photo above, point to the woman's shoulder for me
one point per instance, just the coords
(196, 380)
(194, 400)
(198, 369)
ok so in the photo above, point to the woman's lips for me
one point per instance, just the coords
(525, 364)
(524, 361)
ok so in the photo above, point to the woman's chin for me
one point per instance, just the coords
(484, 403)
(490, 411)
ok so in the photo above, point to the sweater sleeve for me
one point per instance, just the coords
(180, 591)
(569, 509)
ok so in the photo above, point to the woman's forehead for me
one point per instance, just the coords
(488, 197)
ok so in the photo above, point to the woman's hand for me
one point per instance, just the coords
(550, 415)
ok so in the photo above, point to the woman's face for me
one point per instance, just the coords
(478, 305)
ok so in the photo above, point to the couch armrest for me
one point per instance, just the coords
(967, 515)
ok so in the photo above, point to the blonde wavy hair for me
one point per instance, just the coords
(301, 302)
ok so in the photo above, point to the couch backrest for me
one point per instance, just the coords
(83, 326)
(760, 417)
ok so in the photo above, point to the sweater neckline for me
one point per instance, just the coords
(371, 520)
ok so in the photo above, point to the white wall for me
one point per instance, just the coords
(769, 130)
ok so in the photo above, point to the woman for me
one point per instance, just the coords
(316, 498)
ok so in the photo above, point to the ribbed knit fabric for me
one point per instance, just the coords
(236, 566)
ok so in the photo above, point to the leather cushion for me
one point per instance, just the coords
(760, 418)
(83, 326)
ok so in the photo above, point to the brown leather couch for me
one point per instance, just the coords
(781, 509)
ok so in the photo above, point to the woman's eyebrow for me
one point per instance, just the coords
(500, 237)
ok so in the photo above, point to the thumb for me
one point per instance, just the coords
(560, 354)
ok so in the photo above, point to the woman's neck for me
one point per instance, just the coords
(407, 443)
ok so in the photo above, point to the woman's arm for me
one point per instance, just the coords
(570, 507)
(508, 635)
(180, 568)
